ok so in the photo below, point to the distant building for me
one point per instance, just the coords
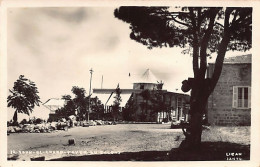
(173, 106)
(230, 102)
(53, 104)
(173, 103)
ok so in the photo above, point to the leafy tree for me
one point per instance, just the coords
(130, 110)
(24, 121)
(69, 107)
(97, 108)
(79, 102)
(159, 103)
(200, 32)
(24, 96)
(117, 102)
(145, 106)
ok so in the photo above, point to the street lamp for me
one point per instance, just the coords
(91, 71)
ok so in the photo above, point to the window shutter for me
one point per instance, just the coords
(235, 94)
(249, 97)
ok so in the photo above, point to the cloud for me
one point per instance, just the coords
(70, 15)
(56, 51)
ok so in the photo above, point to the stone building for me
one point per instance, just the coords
(230, 102)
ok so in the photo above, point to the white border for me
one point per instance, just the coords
(255, 130)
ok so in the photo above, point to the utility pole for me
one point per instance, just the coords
(91, 71)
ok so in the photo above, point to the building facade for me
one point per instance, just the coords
(161, 106)
(54, 104)
(146, 101)
(230, 102)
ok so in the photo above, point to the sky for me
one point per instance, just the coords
(56, 48)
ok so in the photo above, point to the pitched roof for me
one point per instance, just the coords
(147, 77)
(54, 102)
(108, 99)
(239, 59)
(124, 98)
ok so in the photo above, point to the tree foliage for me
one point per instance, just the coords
(69, 107)
(79, 104)
(145, 104)
(159, 102)
(24, 96)
(97, 108)
(200, 31)
(117, 102)
(169, 27)
(130, 110)
(80, 100)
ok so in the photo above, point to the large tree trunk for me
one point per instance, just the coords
(201, 88)
(15, 117)
(198, 103)
(195, 130)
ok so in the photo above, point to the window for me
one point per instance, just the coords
(242, 97)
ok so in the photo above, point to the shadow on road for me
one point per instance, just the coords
(210, 151)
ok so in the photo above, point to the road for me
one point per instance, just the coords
(108, 139)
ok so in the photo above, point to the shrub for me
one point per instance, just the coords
(38, 121)
(24, 121)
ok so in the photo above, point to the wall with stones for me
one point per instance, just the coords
(220, 110)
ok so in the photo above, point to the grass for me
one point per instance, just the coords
(239, 134)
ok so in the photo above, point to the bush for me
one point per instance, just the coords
(24, 121)
(38, 121)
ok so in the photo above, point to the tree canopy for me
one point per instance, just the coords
(79, 103)
(24, 96)
(200, 31)
(169, 27)
(117, 102)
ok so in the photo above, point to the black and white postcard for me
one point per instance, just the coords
(128, 82)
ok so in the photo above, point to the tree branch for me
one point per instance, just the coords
(192, 17)
(180, 22)
(216, 23)
(221, 51)
(205, 42)
(195, 44)
(172, 16)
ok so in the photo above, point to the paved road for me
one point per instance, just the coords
(109, 139)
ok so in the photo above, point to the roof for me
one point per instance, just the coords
(243, 59)
(103, 97)
(124, 98)
(54, 102)
(108, 99)
(147, 77)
